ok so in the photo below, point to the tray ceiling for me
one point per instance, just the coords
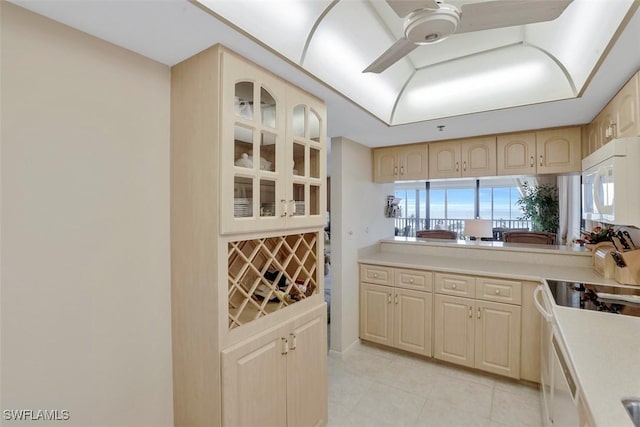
(465, 73)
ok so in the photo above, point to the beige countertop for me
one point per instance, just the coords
(604, 350)
(482, 267)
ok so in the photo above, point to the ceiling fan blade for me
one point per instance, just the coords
(392, 55)
(405, 7)
(507, 13)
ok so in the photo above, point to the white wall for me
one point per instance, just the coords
(357, 221)
(85, 281)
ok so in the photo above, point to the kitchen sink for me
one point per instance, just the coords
(632, 405)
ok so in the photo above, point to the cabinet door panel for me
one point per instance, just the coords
(497, 335)
(444, 159)
(559, 150)
(626, 104)
(307, 370)
(254, 382)
(385, 167)
(478, 157)
(412, 321)
(413, 161)
(376, 321)
(516, 153)
(454, 330)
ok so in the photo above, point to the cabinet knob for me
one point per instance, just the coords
(285, 346)
(395, 170)
(454, 286)
(470, 312)
(457, 166)
(464, 166)
(284, 208)
(478, 312)
(497, 291)
(540, 159)
(389, 298)
(375, 275)
(531, 162)
(395, 298)
(401, 170)
(411, 280)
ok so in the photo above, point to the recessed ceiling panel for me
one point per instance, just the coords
(284, 25)
(347, 40)
(580, 36)
(502, 78)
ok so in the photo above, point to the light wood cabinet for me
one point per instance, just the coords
(454, 330)
(559, 150)
(278, 378)
(546, 151)
(400, 163)
(230, 322)
(473, 157)
(272, 155)
(471, 329)
(396, 314)
(620, 118)
(517, 153)
(497, 339)
(530, 336)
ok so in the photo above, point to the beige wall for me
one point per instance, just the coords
(85, 290)
(357, 221)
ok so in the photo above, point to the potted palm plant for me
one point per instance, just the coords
(539, 203)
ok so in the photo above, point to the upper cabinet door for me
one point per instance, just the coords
(272, 152)
(559, 150)
(252, 132)
(413, 161)
(306, 160)
(517, 154)
(444, 159)
(626, 106)
(385, 167)
(478, 157)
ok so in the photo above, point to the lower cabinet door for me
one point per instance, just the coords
(376, 321)
(454, 330)
(497, 347)
(307, 370)
(412, 321)
(254, 381)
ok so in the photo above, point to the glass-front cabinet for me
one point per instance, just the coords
(272, 154)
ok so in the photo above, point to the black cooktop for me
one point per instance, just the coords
(610, 299)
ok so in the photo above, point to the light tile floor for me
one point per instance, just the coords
(369, 386)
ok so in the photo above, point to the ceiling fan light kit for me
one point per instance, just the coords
(431, 26)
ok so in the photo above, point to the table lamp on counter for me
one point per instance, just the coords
(478, 229)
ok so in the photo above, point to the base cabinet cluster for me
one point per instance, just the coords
(484, 323)
(473, 329)
(278, 378)
(396, 308)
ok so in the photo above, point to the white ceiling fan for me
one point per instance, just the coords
(430, 21)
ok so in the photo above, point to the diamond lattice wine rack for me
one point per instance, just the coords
(269, 274)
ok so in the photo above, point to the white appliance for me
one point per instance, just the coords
(610, 179)
(557, 380)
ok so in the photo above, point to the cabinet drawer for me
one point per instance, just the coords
(414, 279)
(376, 274)
(499, 290)
(455, 284)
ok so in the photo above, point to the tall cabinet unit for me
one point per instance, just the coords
(248, 177)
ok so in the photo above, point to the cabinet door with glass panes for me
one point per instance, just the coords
(306, 158)
(252, 149)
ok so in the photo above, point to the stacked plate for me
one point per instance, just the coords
(299, 207)
(242, 208)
